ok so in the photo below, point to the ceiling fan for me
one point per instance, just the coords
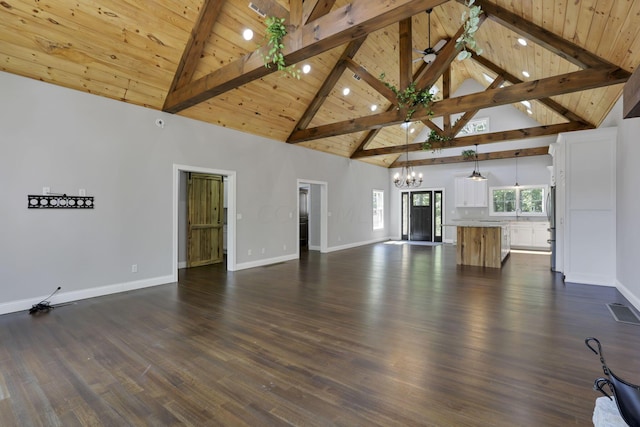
(430, 53)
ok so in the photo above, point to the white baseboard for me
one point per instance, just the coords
(355, 245)
(635, 301)
(589, 279)
(314, 248)
(64, 297)
(266, 261)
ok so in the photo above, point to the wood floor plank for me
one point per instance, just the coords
(381, 335)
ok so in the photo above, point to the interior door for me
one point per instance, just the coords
(421, 216)
(205, 197)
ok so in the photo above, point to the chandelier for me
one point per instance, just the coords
(476, 175)
(407, 177)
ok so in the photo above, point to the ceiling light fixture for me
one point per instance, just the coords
(476, 175)
(346, 91)
(407, 178)
(522, 41)
(306, 68)
(529, 112)
(247, 34)
(526, 73)
(374, 107)
(526, 104)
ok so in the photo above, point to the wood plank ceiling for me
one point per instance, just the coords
(189, 58)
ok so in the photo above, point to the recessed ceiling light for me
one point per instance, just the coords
(526, 104)
(412, 130)
(374, 107)
(529, 112)
(525, 73)
(522, 41)
(306, 68)
(346, 91)
(247, 34)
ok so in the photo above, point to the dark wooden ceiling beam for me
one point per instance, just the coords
(542, 88)
(555, 44)
(485, 138)
(358, 18)
(446, 94)
(314, 9)
(631, 96)
(208, 16)
(548, 102)
(329, 83)
(371, 80)
(496, 155)
(405, 53)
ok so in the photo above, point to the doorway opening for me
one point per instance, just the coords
(228, 215)
(312, 216)
(422, 215)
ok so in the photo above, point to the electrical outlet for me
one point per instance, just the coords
(82, 192)
(249, 252)
(46, 190)
(262, 250)
(284, 247)
(134, 268)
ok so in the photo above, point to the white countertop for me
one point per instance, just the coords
(476, 223)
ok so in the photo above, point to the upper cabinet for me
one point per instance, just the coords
(470, 193)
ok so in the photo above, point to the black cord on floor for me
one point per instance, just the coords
(44, 305)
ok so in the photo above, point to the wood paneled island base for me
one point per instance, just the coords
(481, 246)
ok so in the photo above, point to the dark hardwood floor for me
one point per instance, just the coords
(380, 335)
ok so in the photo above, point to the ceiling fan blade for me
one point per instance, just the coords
(417, 60)
(418, 51)
(440, 45)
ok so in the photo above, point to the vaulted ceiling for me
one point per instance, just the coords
(189, 58)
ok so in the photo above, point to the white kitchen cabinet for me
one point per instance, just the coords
(470, 193)
(530, 235)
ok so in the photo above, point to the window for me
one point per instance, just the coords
(525, 200)
(475, 126)
(378, 209)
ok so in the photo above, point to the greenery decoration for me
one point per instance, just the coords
(468, 38)
(469, 154)
(275, 32)
(410, 98)
(435, 138)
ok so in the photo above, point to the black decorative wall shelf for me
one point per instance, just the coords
(59, 201)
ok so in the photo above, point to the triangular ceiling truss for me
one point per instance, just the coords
(315, 28)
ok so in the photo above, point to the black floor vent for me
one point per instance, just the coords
(623, 314)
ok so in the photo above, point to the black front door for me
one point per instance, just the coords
(421, 216)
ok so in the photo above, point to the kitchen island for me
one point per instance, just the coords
(482, 243)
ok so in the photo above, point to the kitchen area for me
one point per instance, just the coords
(489, 222)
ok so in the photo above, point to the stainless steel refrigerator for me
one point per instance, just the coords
(551, 214)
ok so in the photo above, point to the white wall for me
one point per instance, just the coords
(67, 140)
(628, 203)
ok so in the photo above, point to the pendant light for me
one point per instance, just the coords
(407, 177)
(476, 175)
(517, 154)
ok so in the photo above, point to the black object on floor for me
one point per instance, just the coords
(627, 395)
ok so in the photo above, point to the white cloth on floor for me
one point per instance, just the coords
(606, 414)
